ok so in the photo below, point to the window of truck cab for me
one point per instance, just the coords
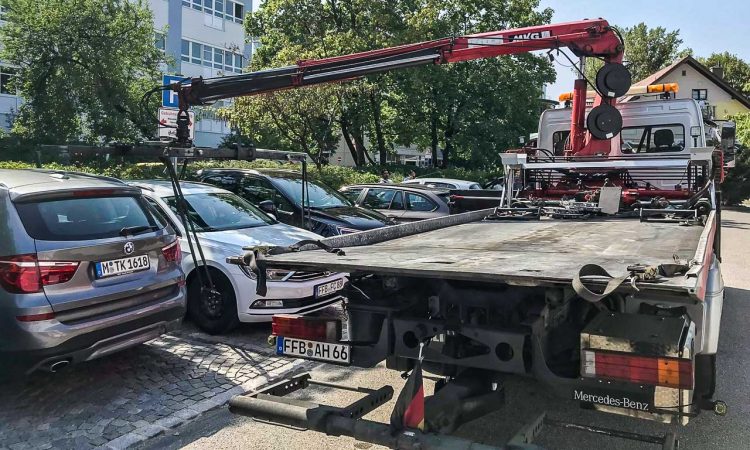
(652, 139)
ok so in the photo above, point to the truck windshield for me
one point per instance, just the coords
(320, 195)
(653, 139)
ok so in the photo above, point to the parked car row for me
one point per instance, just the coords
(279, 192)
(400, 202)
(90, 265)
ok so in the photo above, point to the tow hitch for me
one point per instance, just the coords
(269, 405)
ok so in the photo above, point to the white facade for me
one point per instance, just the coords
(9, 102)
(204, 38)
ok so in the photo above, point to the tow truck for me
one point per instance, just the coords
(599, 277)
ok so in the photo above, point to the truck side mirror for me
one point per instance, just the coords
(268, 207)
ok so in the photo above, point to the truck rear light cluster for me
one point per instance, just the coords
(658, 371)
(25, 274)
(309, 328)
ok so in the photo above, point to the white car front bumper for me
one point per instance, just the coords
(297, 297)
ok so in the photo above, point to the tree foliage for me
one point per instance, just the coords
(647, 50)
(469, 110)
(736, 70)
(83, 67)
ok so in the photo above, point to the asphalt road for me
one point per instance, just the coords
(525, 399)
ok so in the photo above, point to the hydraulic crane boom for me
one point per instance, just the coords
(586, 38)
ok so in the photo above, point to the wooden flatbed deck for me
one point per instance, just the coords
(526, 252)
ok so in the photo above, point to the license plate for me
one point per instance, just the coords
(324, 289)
(320, 351)
(122, 266)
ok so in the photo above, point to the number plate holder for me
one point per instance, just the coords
(329, 288)
(114, 267)
(315, 350)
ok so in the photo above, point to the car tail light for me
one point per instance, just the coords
(657, 371)
(172, 252)
(93, 192)
(24, 274)
(36, 317)
(310, 328)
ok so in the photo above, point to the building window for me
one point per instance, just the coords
(6, 75)
(231, 10)
(684, 73)
(235, 11)
(700, 94)
(209, 56)
(160, 41)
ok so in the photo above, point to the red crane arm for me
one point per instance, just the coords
(584, 38)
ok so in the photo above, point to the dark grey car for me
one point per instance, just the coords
(87, 268)
(400, 202)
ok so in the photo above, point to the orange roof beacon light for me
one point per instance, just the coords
(635, 90)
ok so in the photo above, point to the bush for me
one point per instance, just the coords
(334, 176)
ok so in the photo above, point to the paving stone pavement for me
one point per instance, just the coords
(118, 401)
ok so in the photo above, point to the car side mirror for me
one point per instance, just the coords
(268, 207)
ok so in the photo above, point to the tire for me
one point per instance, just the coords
(219, 319)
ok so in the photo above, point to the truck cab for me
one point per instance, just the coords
(650, 128)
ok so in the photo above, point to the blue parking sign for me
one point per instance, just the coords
(169, 99)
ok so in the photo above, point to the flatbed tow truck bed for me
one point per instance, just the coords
(543, 252)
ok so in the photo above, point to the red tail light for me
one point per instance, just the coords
(172, 252)
(36, 317)
(24, 274)
(309, 328)
(657, 371)
(94, 192)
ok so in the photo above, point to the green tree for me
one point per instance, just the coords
(470, 110)
(83, 67)
(736, 70)
(647, 50)
(290, 30)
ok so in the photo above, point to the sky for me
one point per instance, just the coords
(705, 26)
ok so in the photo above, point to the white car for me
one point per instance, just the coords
(446, 183)
(225, 224)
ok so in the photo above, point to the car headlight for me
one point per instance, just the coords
(344, 230)
(278, 274)
(249, 273)
(271, 274)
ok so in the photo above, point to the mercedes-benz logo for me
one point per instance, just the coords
(129, 248)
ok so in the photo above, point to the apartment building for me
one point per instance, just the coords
(204, 38)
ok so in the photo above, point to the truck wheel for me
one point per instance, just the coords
(705, 377)
(214, 316)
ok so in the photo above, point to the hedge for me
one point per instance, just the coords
(334, 176)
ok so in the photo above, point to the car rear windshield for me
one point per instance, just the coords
(220, 211)
(78, 219)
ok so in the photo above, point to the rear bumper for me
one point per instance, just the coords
(36, 344)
